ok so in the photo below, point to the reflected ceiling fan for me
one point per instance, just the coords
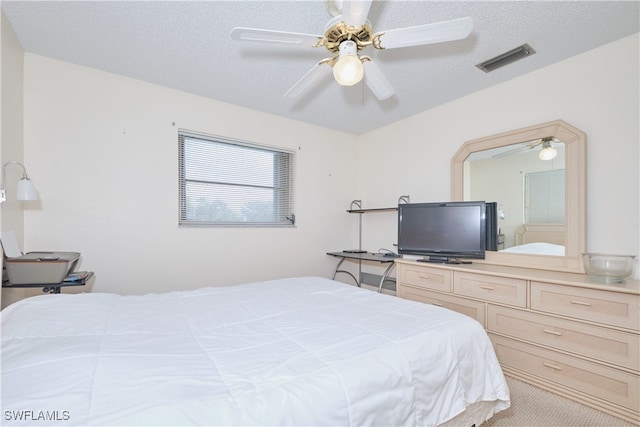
(346, 34)
(547, 152)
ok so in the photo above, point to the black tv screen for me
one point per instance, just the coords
(444, 231)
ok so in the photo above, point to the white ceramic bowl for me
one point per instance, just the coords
(608, 268)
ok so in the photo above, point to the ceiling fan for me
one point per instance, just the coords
(547, 152)
(346, 34)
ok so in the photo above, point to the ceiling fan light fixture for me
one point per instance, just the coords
(348, 70)
(547, 152)
(346, 34)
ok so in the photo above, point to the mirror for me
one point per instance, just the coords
(527, 190)
(541, 203)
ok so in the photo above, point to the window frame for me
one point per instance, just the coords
(282, 183)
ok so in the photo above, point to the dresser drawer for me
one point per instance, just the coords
(430, 278)
(612, 346)
(596, 380)
(503, 290)
(473, 309)
(601, 306)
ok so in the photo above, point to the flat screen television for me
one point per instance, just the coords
(444, 232)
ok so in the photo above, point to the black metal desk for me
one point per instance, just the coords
(364, 256)
(74, 279)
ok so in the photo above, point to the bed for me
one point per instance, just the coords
(539, 239)
(299, 351)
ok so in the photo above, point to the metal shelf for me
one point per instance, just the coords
(358, 205)
(371, 210)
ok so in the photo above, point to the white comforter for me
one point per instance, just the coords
(306, 351)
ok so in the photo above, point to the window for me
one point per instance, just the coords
(226, 182)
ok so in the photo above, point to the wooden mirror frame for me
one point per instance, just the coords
(575, 193)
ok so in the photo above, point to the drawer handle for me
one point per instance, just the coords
(439, 304)
(586, 304)
(548, 331)
(424, 276)
(489, 288)
(552, 366)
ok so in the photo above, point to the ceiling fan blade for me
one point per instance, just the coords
(271, 36)
(308, 80)
(438, 32)
(354, 12)
(509, 152)
(377, 81)
(517, 148)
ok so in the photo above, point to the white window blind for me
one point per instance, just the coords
(233, 183)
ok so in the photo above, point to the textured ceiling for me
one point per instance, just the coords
(186, 45)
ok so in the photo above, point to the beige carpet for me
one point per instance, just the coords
(532, 407)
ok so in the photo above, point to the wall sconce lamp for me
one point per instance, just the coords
(25, 189)
(547, 152)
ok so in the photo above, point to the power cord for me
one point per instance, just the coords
(387, 252)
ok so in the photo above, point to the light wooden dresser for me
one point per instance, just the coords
(559, 331)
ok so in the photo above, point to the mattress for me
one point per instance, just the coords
(299, 351)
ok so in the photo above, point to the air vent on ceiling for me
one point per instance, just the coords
(506, 58)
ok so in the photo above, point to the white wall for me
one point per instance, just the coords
(103, 149)
(11, 137)
(597, 92)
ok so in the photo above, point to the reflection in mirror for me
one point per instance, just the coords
(541, 204)
(526, 188)
(544, 197)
